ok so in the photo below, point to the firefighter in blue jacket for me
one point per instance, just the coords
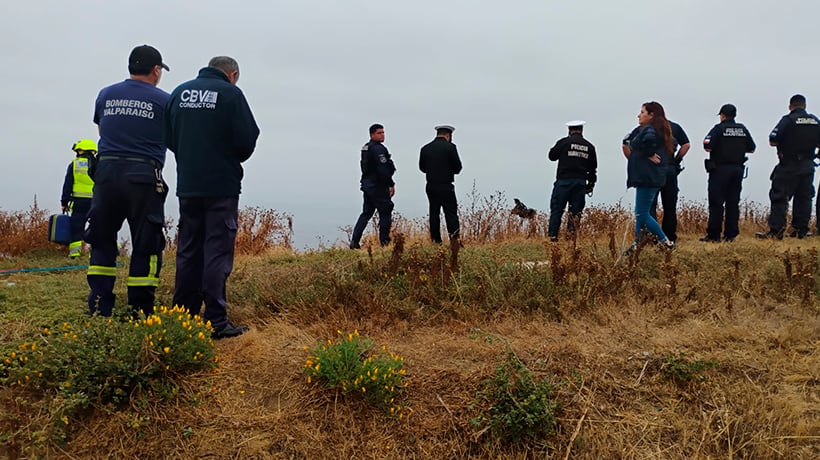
(377, 187)
(128, 184)
(78, 188)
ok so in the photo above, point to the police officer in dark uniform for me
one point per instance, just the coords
(727, 143)
(377, 187)
(797, 137)
(128, 184)
(669, 192)
(575, 177)
(439, 161)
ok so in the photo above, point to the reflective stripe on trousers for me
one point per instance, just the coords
(102, 270)
(153, 276)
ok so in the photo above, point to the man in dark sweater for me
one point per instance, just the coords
(439, 161)
(577, 165)
(211, 130)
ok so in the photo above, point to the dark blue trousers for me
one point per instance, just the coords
(207, 236)
(787, 185)
(725, 184)
(132, 191)
(669, 199)
(566, 191)
(817, 216)
(442, 196)
(374, 199)
(79, 216)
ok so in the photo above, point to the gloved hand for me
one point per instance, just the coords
(590, 186)
(66, 208)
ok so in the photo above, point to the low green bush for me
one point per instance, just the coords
(516, 405)
(353, 366)
(682, 370)
(103, 360)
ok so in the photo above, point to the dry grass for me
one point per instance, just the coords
(599, 322)
(24, 231)
(762, 403)
(259, 230)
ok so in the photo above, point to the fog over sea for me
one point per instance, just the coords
(507, 75)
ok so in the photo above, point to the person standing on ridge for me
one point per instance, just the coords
(669, 190)
(78, 188)
(574, 178)
(128, 184)
(439, 161)
(727, 144)
(797, 138)
(650, 150)
(377, 187)
(211, 130)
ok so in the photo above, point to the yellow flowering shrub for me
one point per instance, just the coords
(354, 366)
(102, 360)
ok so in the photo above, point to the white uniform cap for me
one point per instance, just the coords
(448, 127)
(576, 123)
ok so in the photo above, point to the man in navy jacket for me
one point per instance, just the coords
(377, 187)
(211, 130)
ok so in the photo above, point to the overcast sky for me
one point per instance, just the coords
(507, 75)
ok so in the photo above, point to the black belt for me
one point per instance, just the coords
(150, 161)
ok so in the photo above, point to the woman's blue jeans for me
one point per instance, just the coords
(643, 201)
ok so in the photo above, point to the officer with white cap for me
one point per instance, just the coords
(576, 176)
(440, 162)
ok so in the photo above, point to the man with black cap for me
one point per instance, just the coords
(669, 192)
(439, 161)
(128, 184)
(797, 138)
(575, 177)
(727, 143)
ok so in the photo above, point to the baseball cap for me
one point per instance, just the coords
(144, 58)
(729, 110)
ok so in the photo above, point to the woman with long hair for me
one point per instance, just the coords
(646, 168)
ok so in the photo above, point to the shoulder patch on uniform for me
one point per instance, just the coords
(382, 158)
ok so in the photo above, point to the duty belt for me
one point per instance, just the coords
(160, 184)
(156, 164)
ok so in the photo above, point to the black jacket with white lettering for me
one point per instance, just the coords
(797, 136)
(728, 142)
(211, 130)
(576, 158)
